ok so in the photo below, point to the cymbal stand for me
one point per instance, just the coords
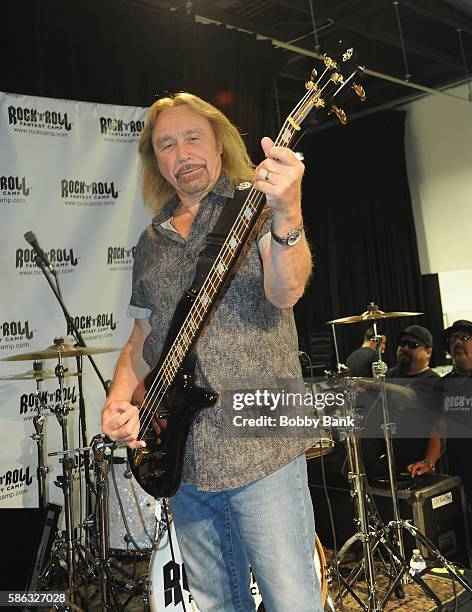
(101, 466)
(65, 483)
(38, 422)
(379, 369)
(365, 534)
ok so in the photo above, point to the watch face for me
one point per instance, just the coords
(294, 237)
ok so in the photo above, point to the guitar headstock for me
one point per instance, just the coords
(338, 77)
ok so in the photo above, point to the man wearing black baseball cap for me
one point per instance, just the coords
(414, 348)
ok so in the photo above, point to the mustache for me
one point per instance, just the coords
(187, 168)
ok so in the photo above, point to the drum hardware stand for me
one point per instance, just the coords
(38, 422)
(365, 534)
(379, 369)
(100, 448)
(372, 538)
(64, 482)
(68, 542)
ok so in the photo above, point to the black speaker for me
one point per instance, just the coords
(436, 506)
(27, 535)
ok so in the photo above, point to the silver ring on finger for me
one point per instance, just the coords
(267, 176)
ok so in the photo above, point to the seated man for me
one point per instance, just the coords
(413, 406)
(414, 349)
(360, 361)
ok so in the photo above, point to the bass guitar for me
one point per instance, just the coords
(168, 394)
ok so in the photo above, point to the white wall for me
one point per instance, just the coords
(438, 146)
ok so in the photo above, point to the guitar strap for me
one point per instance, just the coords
(213, 244)
(216, 238)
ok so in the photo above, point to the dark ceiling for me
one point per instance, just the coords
(425, 42)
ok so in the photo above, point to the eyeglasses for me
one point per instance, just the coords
(460, 336)
(410, 344)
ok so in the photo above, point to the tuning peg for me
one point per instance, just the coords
(337, 78)
(340, 114)
(359, 91)
(311, 86)
(330, 63)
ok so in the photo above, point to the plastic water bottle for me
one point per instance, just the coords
(417, 563)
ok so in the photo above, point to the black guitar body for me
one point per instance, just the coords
(158, 466)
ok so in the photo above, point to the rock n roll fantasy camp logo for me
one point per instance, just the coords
(15, 334)
(14, 189)
(95, 326)
(119, 130)
(42, 122)
(79, 192)
(120, 257)
(62, 260)
(15, 481)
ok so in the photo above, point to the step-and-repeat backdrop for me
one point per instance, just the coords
(69, 172)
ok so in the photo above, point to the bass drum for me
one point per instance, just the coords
(138, 511)
(164, 577)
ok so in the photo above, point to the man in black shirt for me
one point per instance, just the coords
(360, 361)
(457, 404)
(413, 404)
(417, 454)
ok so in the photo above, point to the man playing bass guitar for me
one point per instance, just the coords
(243, 501)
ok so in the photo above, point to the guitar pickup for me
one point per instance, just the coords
(157, 473)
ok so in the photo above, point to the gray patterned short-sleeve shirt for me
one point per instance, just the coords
(247, 342)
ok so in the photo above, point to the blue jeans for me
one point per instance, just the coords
(268, 524)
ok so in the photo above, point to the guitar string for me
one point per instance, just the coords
(173, 361)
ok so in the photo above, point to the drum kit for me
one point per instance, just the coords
(378, 540)
(123, 521)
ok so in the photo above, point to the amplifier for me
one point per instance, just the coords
(436, 506)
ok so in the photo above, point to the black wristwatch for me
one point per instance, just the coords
(292, 238)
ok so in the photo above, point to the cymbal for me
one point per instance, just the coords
(63, 349)
(373, 314)
(42, 374)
